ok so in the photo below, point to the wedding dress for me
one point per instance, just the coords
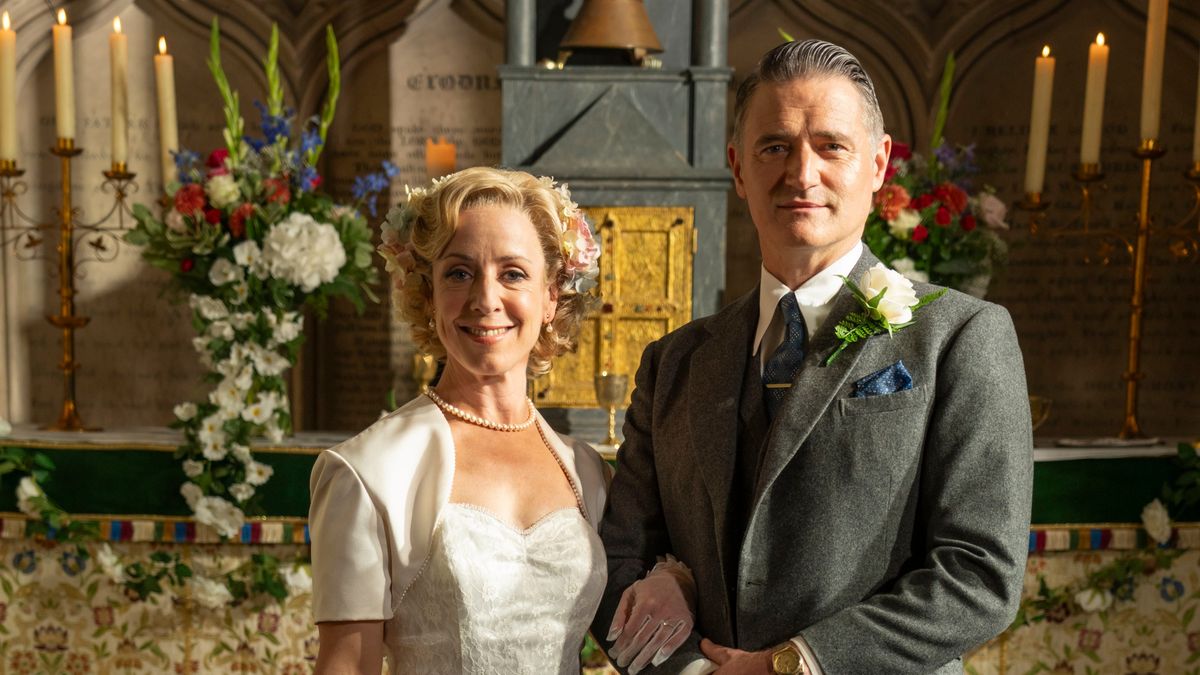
(495, 599)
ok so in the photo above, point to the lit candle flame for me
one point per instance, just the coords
(1100, 39)
(162, 45)
(117, 25)
(1046, 50)
(62, 17)
(4, 20)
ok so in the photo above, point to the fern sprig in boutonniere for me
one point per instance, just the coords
(888, 304)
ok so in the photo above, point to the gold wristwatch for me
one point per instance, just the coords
(786, 660)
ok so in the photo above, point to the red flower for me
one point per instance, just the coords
(952, 196)
(901, 151)
(186, 265)
(277, 190)
(316, 182)
(216, 162)
(942, 217)
(919, 234)
(212, 215)
(189, 199)
(922, 201)
(968, 222)
(237, 220)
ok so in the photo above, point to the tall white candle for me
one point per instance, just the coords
(1152, 68)
(1093, 101)
(118, 51)
(8, 90)
(168, 128)
(64, 78)
(1039, 122)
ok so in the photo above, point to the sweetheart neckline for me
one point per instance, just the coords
(509, 525)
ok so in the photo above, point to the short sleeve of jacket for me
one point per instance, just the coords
(351, 581)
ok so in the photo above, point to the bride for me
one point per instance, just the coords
(457, 534)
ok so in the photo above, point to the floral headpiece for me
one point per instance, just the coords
(580, 250)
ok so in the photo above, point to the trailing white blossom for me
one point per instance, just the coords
(209, 308)
(110, 564)
(220, 514)
(241, 291)
(241, 491)
(1094, 600)
(185, 411)
(192, 468)
(241, 453)
(1157, 522)
(258, 473)
(209, 593)
(303, 252)
(298, 580)
(222, 330)
(191, 494)
(27, 491)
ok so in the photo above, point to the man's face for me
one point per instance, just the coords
(807, 167)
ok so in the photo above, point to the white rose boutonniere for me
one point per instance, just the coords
(888, 303)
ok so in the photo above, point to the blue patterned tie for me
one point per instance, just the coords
(783, 365)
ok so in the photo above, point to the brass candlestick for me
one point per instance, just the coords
(610, 393)
(1184, 243)
(26, 235)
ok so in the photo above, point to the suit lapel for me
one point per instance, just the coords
(715, 382)
(815, 386)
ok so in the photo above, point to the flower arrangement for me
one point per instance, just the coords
(929, 222)
(249, 240)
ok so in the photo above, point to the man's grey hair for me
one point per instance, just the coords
(808, 59)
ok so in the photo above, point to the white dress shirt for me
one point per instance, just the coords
(814, 297)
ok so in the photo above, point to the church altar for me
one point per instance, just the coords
(59, 613)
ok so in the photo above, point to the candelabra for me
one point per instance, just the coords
(1183, 244)
(25, 234)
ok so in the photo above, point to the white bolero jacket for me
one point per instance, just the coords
(377, 497)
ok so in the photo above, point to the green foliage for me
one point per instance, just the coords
(857, 326)
(235, 127)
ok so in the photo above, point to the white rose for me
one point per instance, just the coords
(110, 564)
(1157, 522)
(303, 252)
(1093, 600)
(991, 211)
(219, 514)
(191, 494)
(209, 593)
(908, 268)
(896, 305)
(258, 473)
(175, 222)
(185, 411)
(298, 580)
(223, 272)
(241, 491)
(192, 468)
(222, 190)
(904, 223)
(27, 491)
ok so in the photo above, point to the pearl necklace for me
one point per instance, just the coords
(479, 421)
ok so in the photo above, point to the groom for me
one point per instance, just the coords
(867, 516)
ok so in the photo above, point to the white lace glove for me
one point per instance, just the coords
(655, 616)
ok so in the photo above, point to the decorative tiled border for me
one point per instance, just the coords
(1108, 536)
(173, 530)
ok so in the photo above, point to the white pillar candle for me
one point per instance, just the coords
(118, 51)
(1039, 122)
(168, 128)
(64, 78)
(1152, 68)
(8, 90)
(1093, 101)
(440, 157)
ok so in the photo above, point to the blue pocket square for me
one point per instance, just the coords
(890, 380)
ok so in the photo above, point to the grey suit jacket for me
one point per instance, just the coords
(889, 531)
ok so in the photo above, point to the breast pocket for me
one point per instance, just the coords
(868, 405)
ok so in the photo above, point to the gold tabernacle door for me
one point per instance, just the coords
(645, 290)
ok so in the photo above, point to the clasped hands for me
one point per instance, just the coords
(655, 616)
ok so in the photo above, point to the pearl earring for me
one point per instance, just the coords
(549, 328)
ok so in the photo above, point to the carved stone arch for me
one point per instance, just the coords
(32, 20)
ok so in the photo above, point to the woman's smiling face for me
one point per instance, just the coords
(490, 292)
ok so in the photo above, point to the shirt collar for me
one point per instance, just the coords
(812, 295)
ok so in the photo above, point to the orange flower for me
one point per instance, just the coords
(891, 200)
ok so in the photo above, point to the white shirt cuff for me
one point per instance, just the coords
(814, 668)
(699, 667)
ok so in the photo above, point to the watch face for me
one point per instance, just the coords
(786, 661)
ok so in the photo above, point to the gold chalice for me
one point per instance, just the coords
(1039, 409)
(610, 393)
(424, 369)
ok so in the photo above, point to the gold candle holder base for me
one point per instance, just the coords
(119, 172)
(1149, 148)
(1033, 202)
(8, 168)
(1088, 173)
(65, 147)
(1193, 174)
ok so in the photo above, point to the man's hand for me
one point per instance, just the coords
(732, 661)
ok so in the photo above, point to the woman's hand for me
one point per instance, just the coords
(350, 648)
(655, 616)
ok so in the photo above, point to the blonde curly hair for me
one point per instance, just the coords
(416, 234)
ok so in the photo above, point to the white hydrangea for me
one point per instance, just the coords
(222, 190)
(303, 252)
(241, 491)
(220, 514)
(192, 468)
(224, 272)
(209, 593)
(209, 308)
(258, 473)
(185, 411)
